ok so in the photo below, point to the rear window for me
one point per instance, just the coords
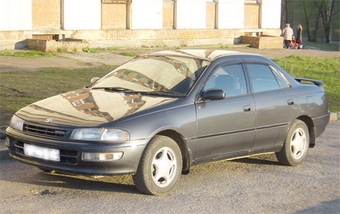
(263, 78)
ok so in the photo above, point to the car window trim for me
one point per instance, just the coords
(280, 75)
(223, 64)
(273, 69)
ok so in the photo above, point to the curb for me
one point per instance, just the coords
(334, 116)
(4, 155)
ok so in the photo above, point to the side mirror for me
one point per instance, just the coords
(94, 79)
(213, 94)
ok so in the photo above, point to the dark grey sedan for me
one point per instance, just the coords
(160, 113)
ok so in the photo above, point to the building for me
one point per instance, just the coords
(137, 23)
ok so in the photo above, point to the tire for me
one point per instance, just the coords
(160, 167)
(295, 147)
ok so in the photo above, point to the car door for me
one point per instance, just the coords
(276, 105)
(225, 127)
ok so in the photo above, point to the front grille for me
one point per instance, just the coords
(46, 131)
(66, 156)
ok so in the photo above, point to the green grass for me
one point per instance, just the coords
(128, 53)
(20, 88)
(223, 46)
(95, 50)
(322, 46)
(27, 54)
(326, 70)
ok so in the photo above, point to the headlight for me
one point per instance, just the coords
(16, 123)
(100, 134)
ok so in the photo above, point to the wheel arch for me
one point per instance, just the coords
(311, 129)
(179, 139)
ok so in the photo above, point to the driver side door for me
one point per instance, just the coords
(225, 128)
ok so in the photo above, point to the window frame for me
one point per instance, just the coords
(281, 76)
(275, 73)
(221, 66)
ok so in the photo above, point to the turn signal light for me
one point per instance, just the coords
(89, 156)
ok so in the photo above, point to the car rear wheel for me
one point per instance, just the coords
(160, 166)
(295, 148)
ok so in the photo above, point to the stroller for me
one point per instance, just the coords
(294, 44)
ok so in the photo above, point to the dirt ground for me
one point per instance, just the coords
(88, 60)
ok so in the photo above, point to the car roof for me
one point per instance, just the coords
(208, 55)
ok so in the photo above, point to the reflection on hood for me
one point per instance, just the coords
(87, 107)
(83, 101)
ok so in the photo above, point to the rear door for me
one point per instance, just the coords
(275, 104)
(225, 127)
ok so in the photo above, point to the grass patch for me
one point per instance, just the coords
(20, 88)
(27, 54)
(326, 70)
(90, 50)
(95, 50)
(223, 46)
(323, 46)
(128, 53)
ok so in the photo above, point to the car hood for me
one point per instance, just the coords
(88, 107)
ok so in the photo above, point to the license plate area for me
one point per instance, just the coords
(42, 152)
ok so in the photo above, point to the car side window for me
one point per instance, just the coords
(262, 78)
(229, 78)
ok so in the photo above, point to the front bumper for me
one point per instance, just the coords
(71, 154)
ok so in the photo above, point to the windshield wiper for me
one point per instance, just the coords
(155, 93)
(114, 89)
(162, 93)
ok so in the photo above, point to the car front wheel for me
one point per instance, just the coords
(296, 146)
(160, 166)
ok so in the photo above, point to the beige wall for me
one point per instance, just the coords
(251, 15)
(168, 14)
(46, 14)
(113, 16)
(210, 15)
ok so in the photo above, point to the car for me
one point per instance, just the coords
(161, 113)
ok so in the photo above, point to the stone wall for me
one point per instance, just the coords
(263, 42)
(141, 38)
(69, 45)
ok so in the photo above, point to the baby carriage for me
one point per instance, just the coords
(294, 44)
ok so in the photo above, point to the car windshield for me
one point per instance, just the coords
(156, 74)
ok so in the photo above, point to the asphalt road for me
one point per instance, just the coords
(251, 185)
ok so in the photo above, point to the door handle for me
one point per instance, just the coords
(247, 108)
(290, 102)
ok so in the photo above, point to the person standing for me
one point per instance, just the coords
(299, 36)
(287, 33)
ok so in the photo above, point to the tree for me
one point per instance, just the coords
(287, 12)
(316, 16)
(327, 10)
(312, 17)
